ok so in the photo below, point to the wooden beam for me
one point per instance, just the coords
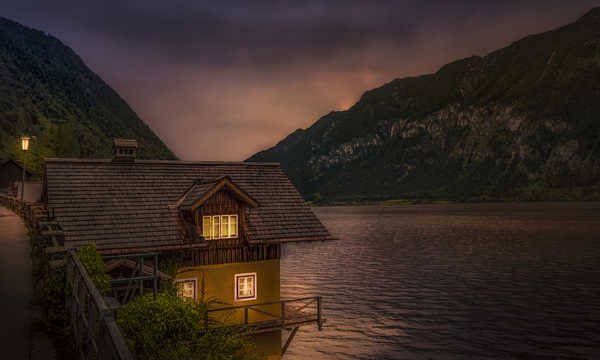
(52, 233)
(47, 223)
(289, 340)
(54, 250)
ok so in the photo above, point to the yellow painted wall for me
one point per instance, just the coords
(219, 284)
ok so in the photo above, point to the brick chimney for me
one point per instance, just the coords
(124, 150)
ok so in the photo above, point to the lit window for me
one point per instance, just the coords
(245, 287)
(186, 288)
(219, 226)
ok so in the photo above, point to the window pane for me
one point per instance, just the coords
(216, 226)
(249, 286)
(233, 225)
(206, 227)
(186, 289)
(224, 226)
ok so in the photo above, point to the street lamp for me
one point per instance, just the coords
(25, 147)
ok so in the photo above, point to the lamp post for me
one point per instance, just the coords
(25, 147)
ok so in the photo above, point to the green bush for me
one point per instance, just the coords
(172, 328)
(91, 259)
(51, 296)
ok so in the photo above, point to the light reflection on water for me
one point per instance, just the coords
(451, 282)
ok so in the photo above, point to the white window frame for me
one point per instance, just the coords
(194, 280)
(211, 226)
(235, 287)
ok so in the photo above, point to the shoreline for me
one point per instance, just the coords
(404, 202)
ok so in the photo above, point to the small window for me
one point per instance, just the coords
(245, 287)
(186, 288)
(219, 226)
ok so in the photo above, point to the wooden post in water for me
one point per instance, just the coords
(319, 322)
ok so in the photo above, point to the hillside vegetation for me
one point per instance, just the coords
(520, 123)
(48, 92)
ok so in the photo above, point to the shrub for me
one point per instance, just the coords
(51, 297)
(91, 259)
(171, 328)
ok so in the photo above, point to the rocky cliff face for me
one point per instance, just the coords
(521, 122)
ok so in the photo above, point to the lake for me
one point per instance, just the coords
(456, 281)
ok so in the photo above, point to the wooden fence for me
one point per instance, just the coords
(93, 324)
(96, 333)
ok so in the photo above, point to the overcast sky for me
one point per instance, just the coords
(221, 80)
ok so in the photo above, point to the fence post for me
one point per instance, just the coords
(320, 323)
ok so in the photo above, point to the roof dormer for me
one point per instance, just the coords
(202, 190)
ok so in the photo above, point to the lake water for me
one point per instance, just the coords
(456, 281)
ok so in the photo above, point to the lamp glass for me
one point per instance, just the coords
(25, 143)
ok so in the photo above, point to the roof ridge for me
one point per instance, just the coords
(211, 180)
(158, 162)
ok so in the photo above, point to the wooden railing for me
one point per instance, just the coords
(96, 333)
(269, 316)
(93, 323)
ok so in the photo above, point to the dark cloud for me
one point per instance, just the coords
(221, 80)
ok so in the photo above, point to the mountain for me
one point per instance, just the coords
(520, 123)
(48, 92)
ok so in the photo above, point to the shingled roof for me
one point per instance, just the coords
(130, 205)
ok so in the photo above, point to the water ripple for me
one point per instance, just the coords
(457, 281)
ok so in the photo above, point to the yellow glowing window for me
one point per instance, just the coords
(219, 226)
(245, 287)
(224, 226)
(206, 227)
(216, 222)
(233, 226)
(186, 288)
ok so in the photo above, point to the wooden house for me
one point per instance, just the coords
(228, 219)
(11, 174)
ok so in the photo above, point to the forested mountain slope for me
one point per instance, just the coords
(47, 91)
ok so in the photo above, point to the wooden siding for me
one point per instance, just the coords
(11, 172)
(233, 254)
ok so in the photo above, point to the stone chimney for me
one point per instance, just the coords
(124, 150)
